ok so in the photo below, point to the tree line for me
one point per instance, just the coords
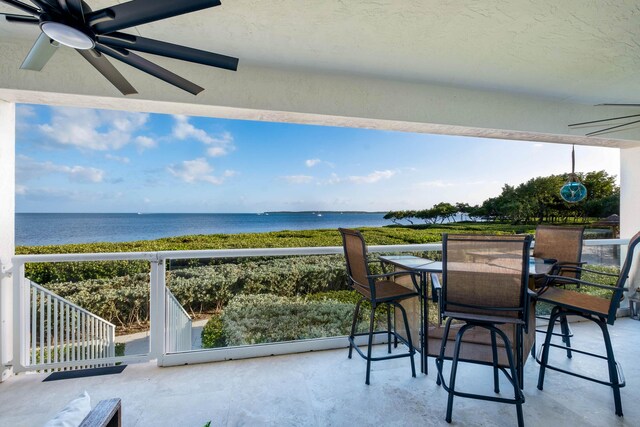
(537, 200)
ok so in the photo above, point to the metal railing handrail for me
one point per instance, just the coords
(67, 302)
(244, 253)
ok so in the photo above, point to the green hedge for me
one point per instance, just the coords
(254, 319)
(124, 300)
(44, 273)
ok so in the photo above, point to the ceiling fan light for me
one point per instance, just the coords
(67, 35)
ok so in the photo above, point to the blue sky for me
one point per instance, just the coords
(84, 160)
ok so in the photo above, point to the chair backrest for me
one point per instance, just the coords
(355, 252)
(563, 244)
(486, 275)
(616, 297)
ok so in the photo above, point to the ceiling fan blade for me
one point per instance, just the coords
(150, 68)
(157, 47)
(22, 6)
(74, 7)
(41, 52)
(601, 131)
(138, 12)
(20, 19)
(617, 105)
(45, 4)
(107, 69)
(604, 120)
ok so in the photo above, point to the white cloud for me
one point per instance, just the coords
(27, 168)
(197, 170)
(21, 189)
(229, 173)
(373, 177)
(117, 158)
(298, 179)
(219, 145)
(25, 111)
(312, 162)
(434, 184)
(100, 130)
(145, 142)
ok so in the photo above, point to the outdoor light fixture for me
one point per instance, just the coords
(67, 35)
(573, 191)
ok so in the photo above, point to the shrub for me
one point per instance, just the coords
(255, 319)
(212, 334)
(123, 301)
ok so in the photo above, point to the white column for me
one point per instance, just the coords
(630, 203)
(7, 230)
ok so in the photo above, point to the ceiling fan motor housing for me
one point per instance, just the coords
(67, 33)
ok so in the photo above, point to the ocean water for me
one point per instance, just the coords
(34, 229)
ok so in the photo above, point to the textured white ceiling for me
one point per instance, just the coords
(574, 50)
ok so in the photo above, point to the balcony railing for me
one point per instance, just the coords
(169, 327)
(178, 337)
(63, 332)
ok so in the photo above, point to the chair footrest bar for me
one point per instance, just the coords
(393, 356)
(554, 333)
(516, 400)
(564, 347)
(621, 378)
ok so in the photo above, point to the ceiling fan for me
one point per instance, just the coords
(607, 122)
(96, 34)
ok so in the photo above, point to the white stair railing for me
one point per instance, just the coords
(62, 332)
(178, 325)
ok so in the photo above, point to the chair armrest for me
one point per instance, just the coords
(577, 268)
(571, 280)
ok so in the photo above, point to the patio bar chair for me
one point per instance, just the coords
(378, 289)
(600, 310)
(485, 286)
(564, 246)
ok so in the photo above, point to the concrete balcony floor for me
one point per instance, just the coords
(327, 389)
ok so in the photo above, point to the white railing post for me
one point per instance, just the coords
(157, 310)
(21, 303)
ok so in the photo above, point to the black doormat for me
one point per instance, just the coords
(80, 373)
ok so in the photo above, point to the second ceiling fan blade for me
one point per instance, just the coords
(20, 19)
(74, 7)
(157, 47)
(107, 69)
(41, 52)
(150, 68)
(617, 105)
(138, 12)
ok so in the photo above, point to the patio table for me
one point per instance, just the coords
(423, 267)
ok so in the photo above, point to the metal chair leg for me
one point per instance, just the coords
(546, 345)
(389, 328)
(353, 326)
(371, 321)
(409, 341)
(566, 336)
(611, 362)
(454, 369)
(443, 346)
(496, 378)
(519, 397)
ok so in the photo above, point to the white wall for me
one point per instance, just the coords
(7, 229)
(630, 202)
